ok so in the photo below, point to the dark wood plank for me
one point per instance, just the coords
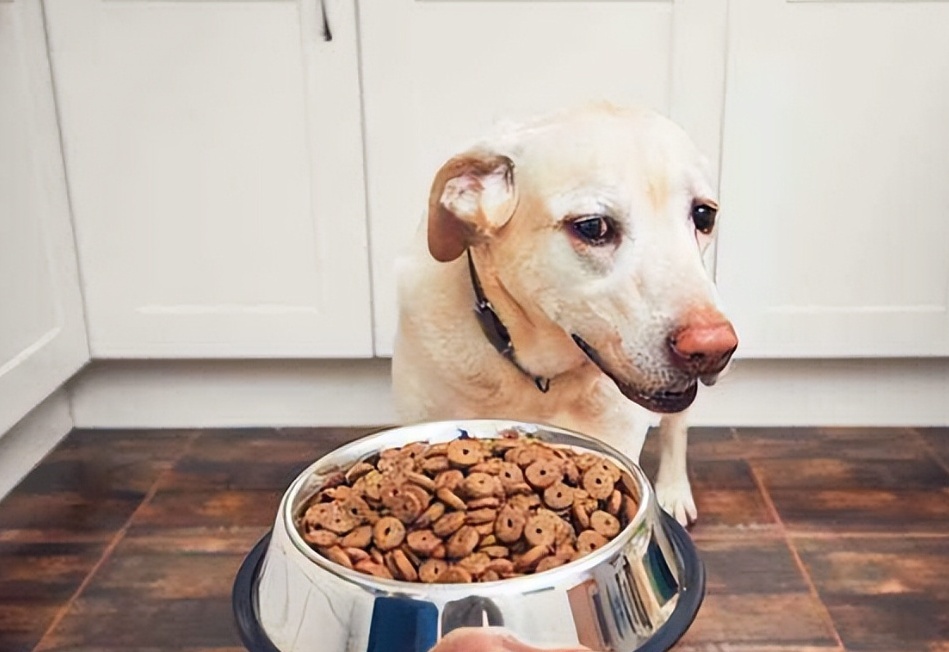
(863, 510)
(858, 495)
(35, 580)
(124, 445)
(94, 478)
(756, 599)
(843, 474)
(51, 571)
(851, 480)
(55, 525)
(64, 516)
(837, 443)
(750, 565)
(753, 621)
(937, 443)
(207, 509)
(704, 444)
(132, 576)
(22, 623)
(728, 500)
(221, 539)
(107, 462)
(89, 486)
(111, 624)
(252, 459)
(166, 585)
(883, 594)
(140, 648)
(733, 512)
(726, 496)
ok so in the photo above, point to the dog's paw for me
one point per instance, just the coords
(676, 499)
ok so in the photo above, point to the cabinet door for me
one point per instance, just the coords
(215, 159)
(436, 73)
(834, 238)
(42, 336)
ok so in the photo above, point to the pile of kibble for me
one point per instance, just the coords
(470, 510)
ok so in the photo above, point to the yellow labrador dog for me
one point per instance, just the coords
(560, 280)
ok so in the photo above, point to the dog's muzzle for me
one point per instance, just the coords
(665, 401)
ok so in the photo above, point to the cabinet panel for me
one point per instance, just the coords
(438, 74)
(834, 240)
(215, 159)
(42, 335)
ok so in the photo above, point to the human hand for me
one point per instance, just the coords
(491, 639)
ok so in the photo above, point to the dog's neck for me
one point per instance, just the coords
(534, 344)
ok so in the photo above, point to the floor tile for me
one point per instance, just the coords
(51, 571)
(863, 510)
(108, 624)
(726, 496)
(150, 648)
(756, 599)
(124, 445)
(735, 513)
(937, 442)
(837, 443)
(22, 623)
(222, 539)
(844, 474)
(252, 459)
(190, 509)
(133, 576)
(94, 478)
(65, 516)
(728, 500)
(750, 565)
(234, 647)
(792, 620)
(89, 486)
(851, 480)
(166, 585)
(704, 444)
(883, 594)
(95, 462)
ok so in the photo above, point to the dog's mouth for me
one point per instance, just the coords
(664, 401)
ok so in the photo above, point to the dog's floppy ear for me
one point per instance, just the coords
(473, 196)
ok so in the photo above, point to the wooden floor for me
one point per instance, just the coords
(813, 539)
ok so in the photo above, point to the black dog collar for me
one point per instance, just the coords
(494, 329)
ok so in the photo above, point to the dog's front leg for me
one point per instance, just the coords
(672, 483)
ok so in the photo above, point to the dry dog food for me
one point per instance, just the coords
(470, 510)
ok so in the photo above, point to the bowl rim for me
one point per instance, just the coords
(448, 430)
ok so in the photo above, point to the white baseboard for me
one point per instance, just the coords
(24, 445)
(232, 393)
(190, 394)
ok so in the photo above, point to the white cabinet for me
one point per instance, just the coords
(42, 336)
(214, 155)
(437, 73)
(835, 178)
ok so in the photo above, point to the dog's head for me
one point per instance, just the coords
(597, 219)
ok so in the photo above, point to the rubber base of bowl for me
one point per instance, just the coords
(691, 594)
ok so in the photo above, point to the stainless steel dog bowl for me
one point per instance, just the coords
(639, 592)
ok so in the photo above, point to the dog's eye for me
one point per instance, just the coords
(594, 229)
(703, 216)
